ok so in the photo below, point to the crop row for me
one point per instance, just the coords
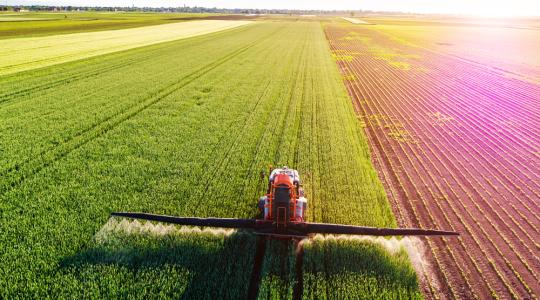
(81, 113)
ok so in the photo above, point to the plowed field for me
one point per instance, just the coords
(457, 145)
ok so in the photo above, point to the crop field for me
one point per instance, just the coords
(185, 128)
(32, 24)
(456, 140)
(516, 42)
(29, 53)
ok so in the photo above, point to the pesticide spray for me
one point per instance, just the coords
(411, 245)
(115, 227)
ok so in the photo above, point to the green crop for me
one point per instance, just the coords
(183, 128)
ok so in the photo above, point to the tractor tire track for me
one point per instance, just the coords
(298, 289)
(149, 51)
(241, 137)
(256, 273)
(221, 165)
(5, 98)
(18, 174)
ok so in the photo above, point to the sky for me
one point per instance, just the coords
(488, 8)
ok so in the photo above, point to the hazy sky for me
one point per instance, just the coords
(477, 7)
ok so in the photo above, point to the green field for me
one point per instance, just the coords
(186, 128)
(29, 53)
(40, 24)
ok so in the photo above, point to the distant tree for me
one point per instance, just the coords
(352, 13)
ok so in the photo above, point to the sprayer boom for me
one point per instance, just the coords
(287, 230)
(283, 210)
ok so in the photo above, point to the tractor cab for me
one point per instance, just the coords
(284, 201)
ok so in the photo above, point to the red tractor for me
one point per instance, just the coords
(284, 201)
